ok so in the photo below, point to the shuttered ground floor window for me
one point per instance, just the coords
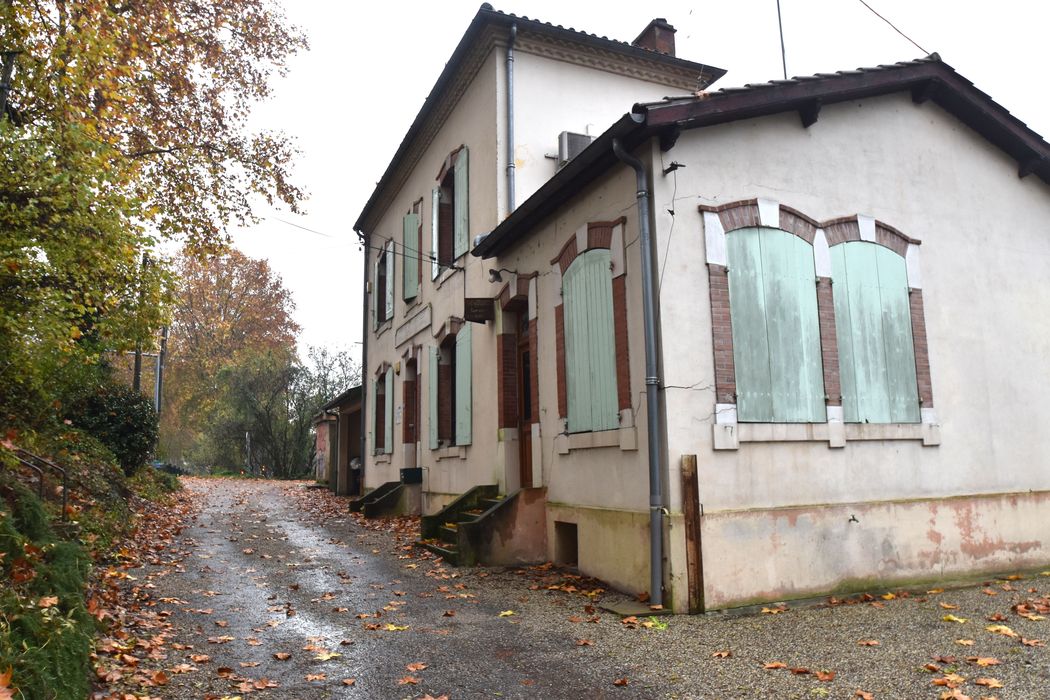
(873, 326)
(450, 390)
(382, 410)
(776, 334)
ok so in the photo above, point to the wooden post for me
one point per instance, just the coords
(693, 552)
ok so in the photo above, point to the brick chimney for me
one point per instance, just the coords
(658, 36)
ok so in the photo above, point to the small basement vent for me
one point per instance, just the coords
(571, 145)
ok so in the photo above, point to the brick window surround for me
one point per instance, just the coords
(722, 220)
(599, 234)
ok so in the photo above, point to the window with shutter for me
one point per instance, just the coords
(776, 334)
(590, 347)
(410, 246)
(463, 379)
(873, 323)
(450, 212)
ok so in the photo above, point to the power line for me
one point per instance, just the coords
(894, 27)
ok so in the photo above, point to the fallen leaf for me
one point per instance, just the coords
(349, 681)
(506, 613)
(799, 670)
(773, 665)
(868, 642)
(863, 695)
(774, 611)
(584, 643)
(1033, 642)
(989, 682)
(408, 680)
(417, 666)
(964, 642)
(448, 613)
(1001, 629)
(47, 601)
(953, 618)
(950, 680)
(984, 660)
(825, 676)
(622, 681)
(722, 654)
(316, 676)
(888, 596)
(282, 655)
(948, 606)
(327, 656)
(391, 627)
(200, 658)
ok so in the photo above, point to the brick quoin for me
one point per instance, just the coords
(534, 370)
(922, 350)
(722, 330)
(559, 342)
(623, 360)
(829, 349)
(507, 371)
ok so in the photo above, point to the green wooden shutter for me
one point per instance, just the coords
(375, 292)
(776, 333)
(590, 343)
(389, 248)
(461, 241)
(372, 415)
(435, 224)
(464, 398)
(432, 396)
(388, 404)
(410, 245)
(873, 320)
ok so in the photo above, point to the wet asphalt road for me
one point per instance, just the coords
(266, 575)
(277, 568)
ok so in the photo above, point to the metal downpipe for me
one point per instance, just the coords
(511, 168)
(652, 382)
(365, 240)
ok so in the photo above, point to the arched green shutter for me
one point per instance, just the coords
(590, 343)
(873, 320)
(410, 245)
(464, 398)
(461, 241)
(776, 334)
(432, 396)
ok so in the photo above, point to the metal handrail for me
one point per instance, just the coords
(39, 473)
(48, 463)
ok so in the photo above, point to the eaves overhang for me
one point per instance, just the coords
(927, 79)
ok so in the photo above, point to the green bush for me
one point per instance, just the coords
(120, 418)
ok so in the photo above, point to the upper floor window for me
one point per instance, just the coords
(410, 246)
(450, 223)
(383, 284)
(874, 328)
(776, 333)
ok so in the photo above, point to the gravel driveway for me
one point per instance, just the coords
(289, 596)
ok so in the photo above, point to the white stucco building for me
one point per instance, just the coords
(845, 333)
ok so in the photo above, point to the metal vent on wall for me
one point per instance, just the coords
(571, 145)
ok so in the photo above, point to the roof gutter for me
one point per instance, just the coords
(653, 417)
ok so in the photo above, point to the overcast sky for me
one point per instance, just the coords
(349, 100)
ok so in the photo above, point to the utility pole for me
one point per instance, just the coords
(158, 381)
(136, 381)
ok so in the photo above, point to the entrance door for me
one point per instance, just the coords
(525, 403)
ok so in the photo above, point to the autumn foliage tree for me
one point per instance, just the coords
(126, 124)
